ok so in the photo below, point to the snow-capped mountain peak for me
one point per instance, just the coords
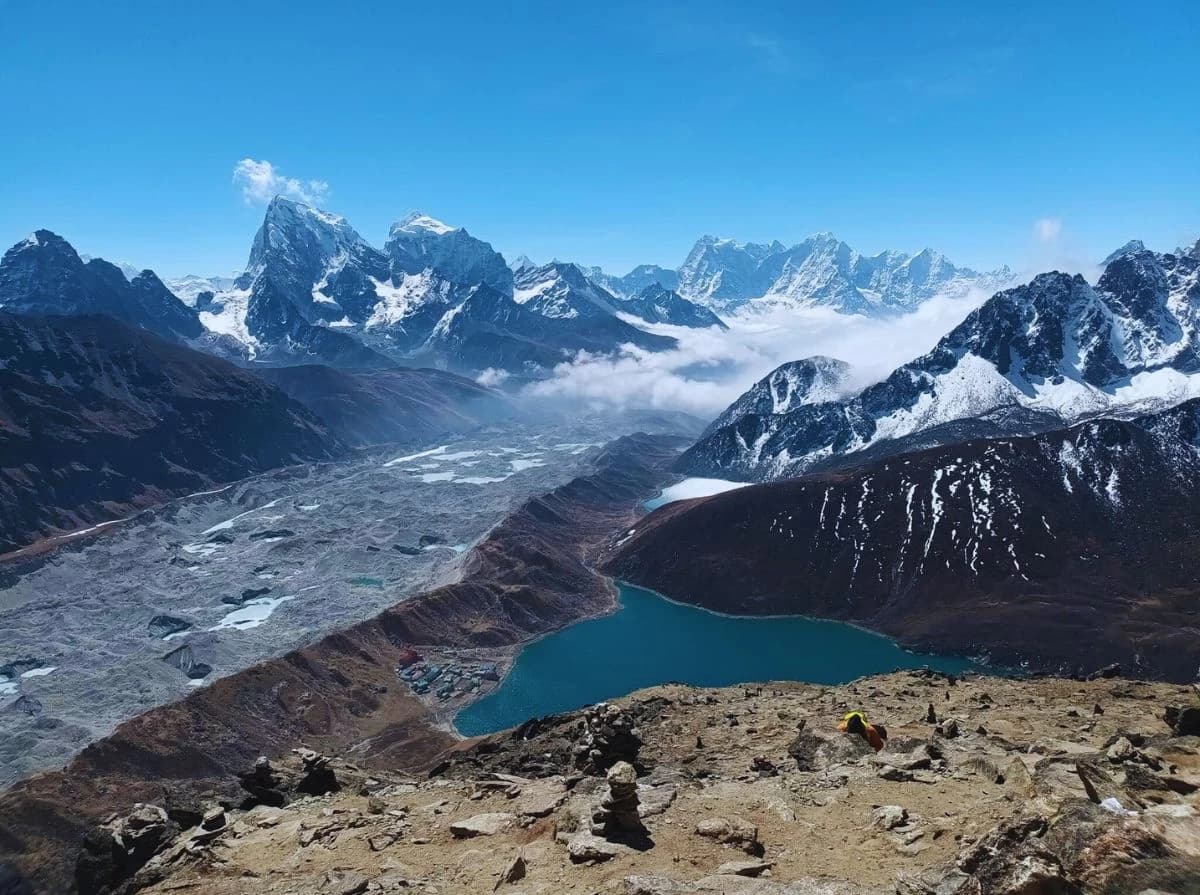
(561, 289)
(1051, 352)
(417, 222)
(821, 270)
(1134, 245)
(812, 380)
(418, 242)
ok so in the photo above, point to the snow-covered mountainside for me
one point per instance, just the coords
(563, 290)
(1024, 547)
(553, 312)
(821, 271)
(419, 243)
(635, 281)
(44, 275)
(812, 380)
(315, 289)
(190, 287)
(657, 304)
(1031, 358)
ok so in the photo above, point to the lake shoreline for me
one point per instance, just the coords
(681, 643)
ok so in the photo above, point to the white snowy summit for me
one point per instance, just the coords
(821, 271)
(812, 380)
(1029, 359)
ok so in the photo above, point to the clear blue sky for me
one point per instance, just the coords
(609, 133)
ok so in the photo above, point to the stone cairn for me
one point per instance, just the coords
(617, 816)
(607, 737)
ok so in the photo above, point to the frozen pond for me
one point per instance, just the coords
(693, 487)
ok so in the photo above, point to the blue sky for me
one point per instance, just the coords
(610, 133)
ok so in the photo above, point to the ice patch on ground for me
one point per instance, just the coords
(576, 447)
(459, 455)
(228, 523)
(519, 465)
(201, 549)
(40, 672)
(251, 614)
(691, 488)
(432, 452)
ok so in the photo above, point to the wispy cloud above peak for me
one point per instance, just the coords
(1047, 230)
(261, 182)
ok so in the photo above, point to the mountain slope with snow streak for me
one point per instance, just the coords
(1018, 548)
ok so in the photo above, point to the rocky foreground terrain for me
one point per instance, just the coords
(985, 786)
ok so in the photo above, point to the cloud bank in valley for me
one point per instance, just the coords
(710, 369)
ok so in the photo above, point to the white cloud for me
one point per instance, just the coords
(261, 182)
(492, 377)
(709, 368)
(1047, 230)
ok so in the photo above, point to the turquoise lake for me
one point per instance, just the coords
(651, 640)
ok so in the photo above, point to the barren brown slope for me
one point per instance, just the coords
(341, 694)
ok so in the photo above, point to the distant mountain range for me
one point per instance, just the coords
(728, 276)
(434, 294)
(315, 291)
(1032, 358)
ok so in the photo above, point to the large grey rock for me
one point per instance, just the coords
(482, 824)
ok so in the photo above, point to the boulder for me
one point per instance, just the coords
(482, 825)
(888, 817)
(584, 848)
(317, 777)
(731, 831)
(112, 853)
(514, 871)
(744, 868)
(1184, 721)
(162, 626)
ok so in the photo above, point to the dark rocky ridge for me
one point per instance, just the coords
(366, 407)
(529, 576)
(98, 420)
(656, 304)
(1069, 550)
(44, 275)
